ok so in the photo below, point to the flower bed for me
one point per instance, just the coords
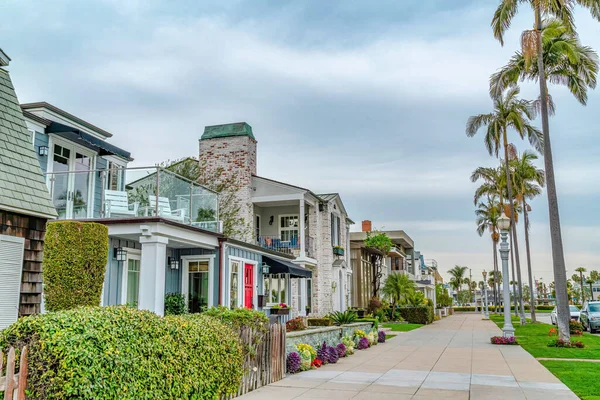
(504, 340)
(329, 334)
(563, 343)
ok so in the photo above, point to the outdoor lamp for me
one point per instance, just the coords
(43, 150)
(504, 222)
(173, 263)
(265, 268)
(120, 254)
(484, 273)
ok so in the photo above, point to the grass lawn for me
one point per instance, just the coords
(578, 376)
(389, 336)
(401, 327)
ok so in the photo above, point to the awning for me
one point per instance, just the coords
(85, 139)
(286, 267)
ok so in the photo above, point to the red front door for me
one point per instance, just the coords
(248, 286)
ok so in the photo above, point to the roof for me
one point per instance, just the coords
(22, 185)
(4, 59)
(43, 104)
(36, 118)
(332, 196)
(227, 130)
(287, 184)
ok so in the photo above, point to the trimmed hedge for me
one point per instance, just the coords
(239, 317)
(417, 315)
(124, 353)
(75, 255)
(175, 304)
(319, 322)
(375, 321)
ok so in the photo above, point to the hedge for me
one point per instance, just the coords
(319, 322)
(375, 321)
(75, 255)
(124, 353)
(417, 315)
(493, 308)
(239, 317)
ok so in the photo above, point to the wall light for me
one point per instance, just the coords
(265, 268)
(120, 254)
(43, 151)
(173, 263)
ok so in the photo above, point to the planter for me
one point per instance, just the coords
(338, 251)
(280, 311)
(307, 310)
(360, 313)
(262, 300)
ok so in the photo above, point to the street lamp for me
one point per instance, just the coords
(486, 315)
(504, 225)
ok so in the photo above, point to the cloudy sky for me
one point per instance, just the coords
(364, 98)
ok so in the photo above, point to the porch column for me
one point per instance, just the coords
(302, 289)
(302, 229)
(152, 274)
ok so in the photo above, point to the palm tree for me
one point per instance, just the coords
(396, 287)
(581, 270)
(457, 279)
(529, 181)
(515, 113)
(590, 282)
(500, 23)
(487, 219)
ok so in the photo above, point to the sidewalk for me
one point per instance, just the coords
(451, 359)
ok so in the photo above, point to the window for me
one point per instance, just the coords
(276, 284)
(289, 227)
(309, 293)
(335, 230)
(234, 286)
(133, 281)
(114, 177)
(197, 286)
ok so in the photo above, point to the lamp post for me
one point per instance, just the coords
(504, 224)
(486, 314)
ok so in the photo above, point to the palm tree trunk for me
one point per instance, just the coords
(591, 292)
(558, 257)
(515, 242)
(581, 286)
(512, 265)
(532, 296)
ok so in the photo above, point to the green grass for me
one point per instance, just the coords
(389, 336)
(579, 376)
(401, 327)
(534, 338)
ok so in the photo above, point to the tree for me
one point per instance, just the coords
(590, 282)
(487, 219)
(457, 278)
(494, 280)
(415, 298)
(396, 287)
(528, 181)
(581, 270)
(527, 295)
(510, 112)
(463, 297)
(532, 44)
(382, 244)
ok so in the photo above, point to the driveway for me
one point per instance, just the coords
(451, 359)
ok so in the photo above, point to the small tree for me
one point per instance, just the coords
(75, 255)
(396, 287)
(382, 244)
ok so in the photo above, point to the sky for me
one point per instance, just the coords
(368, 99)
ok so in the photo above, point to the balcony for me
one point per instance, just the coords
(127, 193)
(288, 245)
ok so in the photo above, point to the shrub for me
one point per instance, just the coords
(343, 318)
(381, 336)
(374, 305)
(575, 327)
(302, 347)
(322, 353)
(296, 324)
(372, 336)
(175, 304)
(341, 350)
(359, 333)
(293, 362)
(332, 355)
(307, 360)
(503, 340)
(124, 353)
(349, 343)
(417, 315)
(363, 343)
(374, 321)
(566, 344)
(240, 317)
(75, 255)
(319, 322)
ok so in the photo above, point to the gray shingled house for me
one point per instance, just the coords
(25, 206)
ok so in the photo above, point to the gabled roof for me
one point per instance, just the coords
(4, 59)
(227, 130)
(22, 186)
(62, 113)
(288, 185)
(332, 197)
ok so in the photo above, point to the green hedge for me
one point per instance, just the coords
(175, 304)
(319, 322)
(417, 315)
(75, 255)
(375, 321)
(493, 308)
(124, 353)
(239, 317)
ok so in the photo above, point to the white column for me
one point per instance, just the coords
(302, 229)
(302, 289)
(152, 274)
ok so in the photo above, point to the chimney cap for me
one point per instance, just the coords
(4, 59)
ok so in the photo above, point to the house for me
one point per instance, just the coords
(310, 229)
(25, 206)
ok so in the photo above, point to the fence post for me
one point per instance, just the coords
(23, 367)
(10, 375)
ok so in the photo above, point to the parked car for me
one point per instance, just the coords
(590, 316)
(574, 314)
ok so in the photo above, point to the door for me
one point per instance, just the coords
(197, 286)
(248, 286)
(71, 182)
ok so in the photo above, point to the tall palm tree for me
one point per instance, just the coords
(396, 287)
(457, 277)
(590, 282)
(529, 181)
(500, 23)
(510, 112)
(487, 219)
(581, 270)
(494, 280)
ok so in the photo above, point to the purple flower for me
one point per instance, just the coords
(322, 353)
(293, 362)
(332, 355)
(381, 337)
(341, 350)
(363, 343)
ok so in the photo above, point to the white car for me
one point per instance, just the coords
(574, 314)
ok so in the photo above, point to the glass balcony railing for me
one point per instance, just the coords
(125, 193)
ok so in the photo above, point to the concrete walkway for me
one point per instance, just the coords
(451, 359)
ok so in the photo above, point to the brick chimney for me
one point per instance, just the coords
(367, 226)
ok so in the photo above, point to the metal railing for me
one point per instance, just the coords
(288, 246)
(124, 193)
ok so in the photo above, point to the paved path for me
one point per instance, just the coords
(451, 359)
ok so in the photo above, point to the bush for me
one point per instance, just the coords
(293, 362)
(240, 317)
(332, 355)
(363, 343)
(341, 349)
(124, 353)
(296, 324)
(374, 305)
(381, 337)
(575, 327)
(564, 343)
(342, 318)
(417, 315)
(319, 322)
(175, 304)
(504, 340)
(75, 255)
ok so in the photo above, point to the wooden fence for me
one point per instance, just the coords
(265, 362)
(13, 385)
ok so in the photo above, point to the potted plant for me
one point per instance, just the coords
(338, 250)
(360, 312)
(280, 309)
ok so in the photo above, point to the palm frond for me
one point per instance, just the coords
(503, 18)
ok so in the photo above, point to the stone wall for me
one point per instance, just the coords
(332, 335)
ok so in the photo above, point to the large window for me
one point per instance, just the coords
(275, 286)
(335, 230)
(289, 227)
(234, 285)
